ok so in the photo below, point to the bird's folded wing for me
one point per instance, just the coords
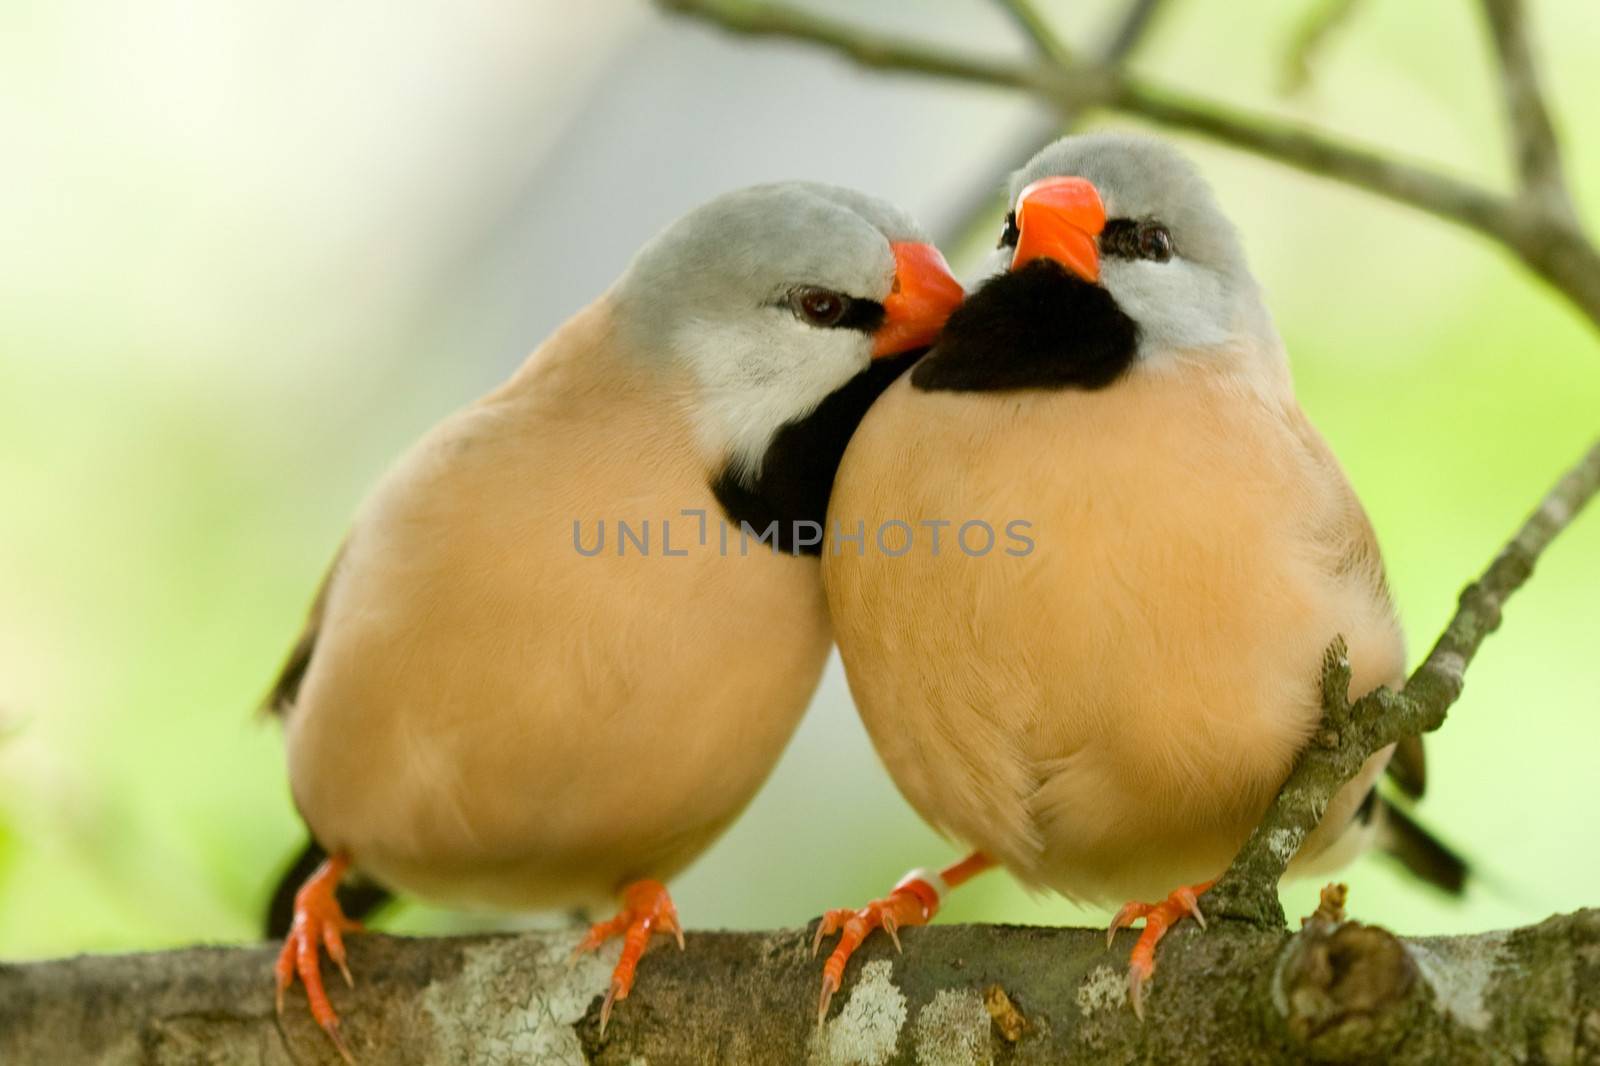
(1355, 553)
(285, 689)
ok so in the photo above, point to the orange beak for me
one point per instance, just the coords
(925, 292)
(1059, 218)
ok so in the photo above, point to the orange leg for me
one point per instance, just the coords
(319, 923)
(914, 901)
(1158, 918)
(646, 909)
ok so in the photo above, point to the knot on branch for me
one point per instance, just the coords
(1347, 991)
(1336, 675)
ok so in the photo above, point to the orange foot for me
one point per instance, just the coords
(646, 909)
(318, 921)
(914, 901)
(1158, 918)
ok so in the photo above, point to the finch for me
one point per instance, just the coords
(1107, 711)
(548, 665)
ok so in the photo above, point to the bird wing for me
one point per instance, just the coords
(1353, 547)
(285, 690)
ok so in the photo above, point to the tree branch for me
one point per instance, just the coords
(876, 51)
(1310, 35)
(1233, 994)
(1070, 89)
(1535, 149)
(1130, 30)
(1300, 147)
(1352, 732)
(1038, 30)
(1550, 244)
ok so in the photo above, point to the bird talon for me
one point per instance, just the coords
(1126, 915)
(647, 909)
(1158, 918)
(334, 1034)
(914, 901)
(828, 989)
(319, 925)
(1136, 981)
(614, 993)
(900, 908)
(892, 927)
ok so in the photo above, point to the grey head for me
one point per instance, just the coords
(1191, 290)
(786, 303)
(722, 292)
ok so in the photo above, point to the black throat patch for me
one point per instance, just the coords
(797, 471)
(1041, 327)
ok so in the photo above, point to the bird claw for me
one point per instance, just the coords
(901, 907)
(891, 927)
(338, 1043)
(614, 993)
(319, 925)
(1191, 903)
(1126, 915)
(829, 987)
(647, 909)
(1158, 918)
(1137, 976)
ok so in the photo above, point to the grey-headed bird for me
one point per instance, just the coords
(572, 629)
(1104, 690)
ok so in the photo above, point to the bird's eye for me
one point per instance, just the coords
(819, 307)
(1009, 235)
(1155, 243)
(1127, 238)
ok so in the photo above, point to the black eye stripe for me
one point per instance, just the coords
(1120, 238)
(1136, 238)
(1010, 232)
(863, 315)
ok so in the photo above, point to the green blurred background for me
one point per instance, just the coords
(250, 249)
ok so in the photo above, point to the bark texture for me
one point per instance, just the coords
(960, 994)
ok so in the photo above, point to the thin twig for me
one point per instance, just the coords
(1353, 731)
(1072, 89)
(1130, 29)
(1533, 137)
(1038, 30)
(1302, 148)
(878, 51)
(1312, 33)
(1552, 246)
(1436, 684)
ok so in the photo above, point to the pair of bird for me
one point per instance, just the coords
(478, 713)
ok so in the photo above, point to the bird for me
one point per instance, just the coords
(571, 630)
(1105, 700)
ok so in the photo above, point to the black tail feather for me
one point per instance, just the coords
(1422, 853)
(358, 898)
